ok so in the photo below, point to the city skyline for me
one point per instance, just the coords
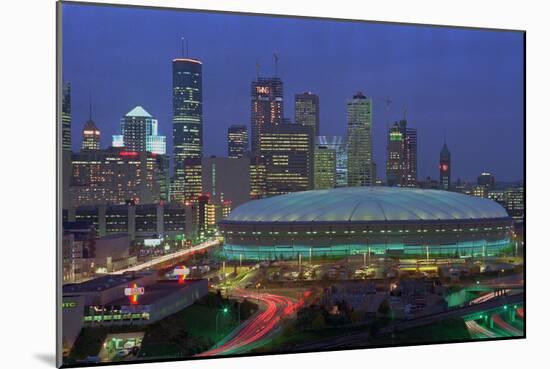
(179, 240)
(461, 60)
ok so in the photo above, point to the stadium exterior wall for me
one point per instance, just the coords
(406, 222)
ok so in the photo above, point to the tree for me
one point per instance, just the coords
(384, 308)
(318, 323)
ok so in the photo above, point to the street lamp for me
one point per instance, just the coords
(224, 311)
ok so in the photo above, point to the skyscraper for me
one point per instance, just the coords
(237, 141)
(306, 111)
(394, 161)
(324, 167)
(65, 143)
(187, 125)
(411, 155)
(487, 180)
(266, 107)
(401, 159)
(90, 136)
(338, 144)
(66, 118)
(359, 121)
(139, 132)
(257, 177)
(288, 153)
(445, 168)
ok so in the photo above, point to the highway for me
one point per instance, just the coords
(479, 331)
(505, 326)
(357, 338)
(274, 307)
(169, 257)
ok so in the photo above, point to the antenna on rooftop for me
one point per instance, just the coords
(257, 69)
(90, 97)
(183, 46)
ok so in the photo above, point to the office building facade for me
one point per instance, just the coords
(339, 145)
(324, 167)
(266, 107)
(139, 132)
(306, 111)
(359, 144)
(187, 127)
(401, 164)
(237, 141)
(115, 176)
(445, 168)
(288, 153)
(226, 180)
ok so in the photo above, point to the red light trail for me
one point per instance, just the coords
(276, 307)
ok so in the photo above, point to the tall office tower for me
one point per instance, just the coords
(187, 125)
(201, 215)
(162, 176)
(411, 155)
(237, 141)
(359, 120)
(306, 111)
(288, 153)
(401, 159)
(192, 179)
(394, 160)
(515, 202)
(257, 178)
(139, 132)
(487, 180)
(338, 144)
(445, 168)
(266, 107)
(65, 143)
(90, 135)
(66, 118)
(324, 167)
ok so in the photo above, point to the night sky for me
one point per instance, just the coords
(465, 85)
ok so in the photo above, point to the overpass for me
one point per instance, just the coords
(170, 258)
(360, 339)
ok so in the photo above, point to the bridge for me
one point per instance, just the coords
(357, 339)
(158, 262)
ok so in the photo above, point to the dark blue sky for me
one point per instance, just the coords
(464, 84)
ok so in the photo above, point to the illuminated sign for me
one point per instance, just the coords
(91, 132)
(152, 242)
(69, 305)
(133, 292)
(128, 153)
(444, 167)
(182, 272)
(262, 90)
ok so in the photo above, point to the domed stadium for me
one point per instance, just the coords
(358, 220)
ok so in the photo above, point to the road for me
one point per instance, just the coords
(260, 326)
(352, 340)
(478, 331)
(505, 326)
(168, 257)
